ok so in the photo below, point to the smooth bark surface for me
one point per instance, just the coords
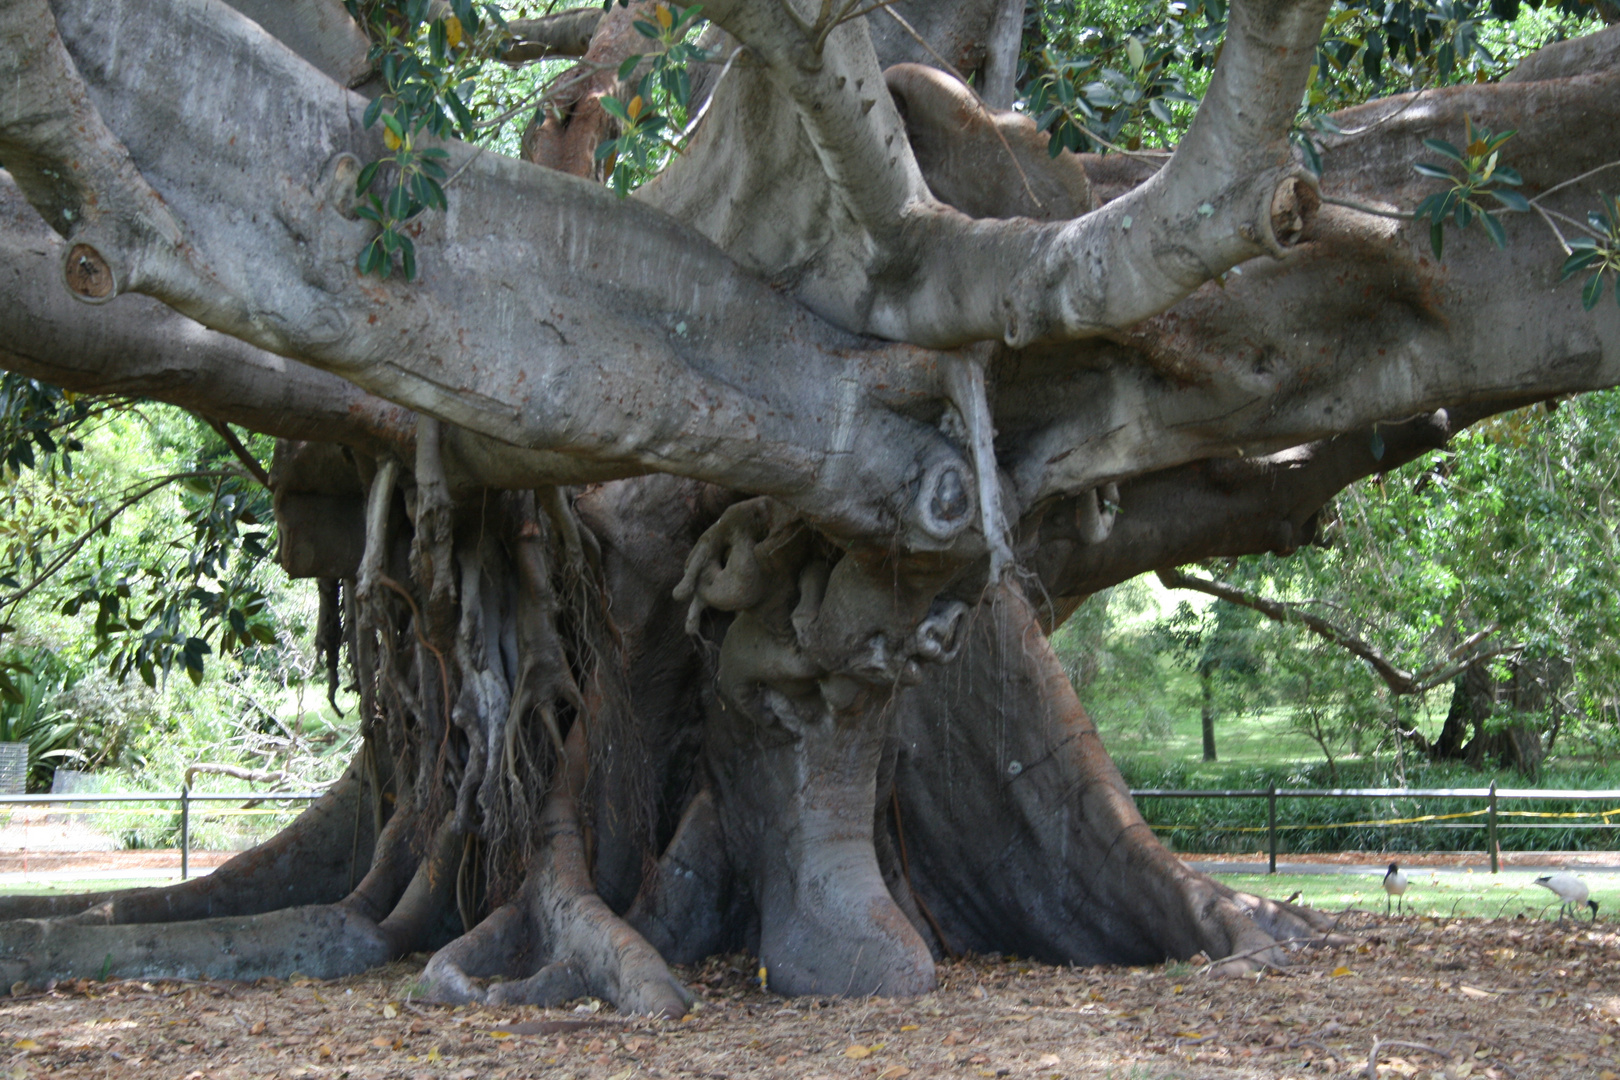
(866, 393)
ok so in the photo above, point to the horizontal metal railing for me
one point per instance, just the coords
(1492, 813)
(183, 798)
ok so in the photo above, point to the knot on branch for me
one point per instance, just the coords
(1095, 513)
(1294, 203)
(88, 274)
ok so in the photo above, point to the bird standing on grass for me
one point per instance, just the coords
(1571, 890)
(1394, 885)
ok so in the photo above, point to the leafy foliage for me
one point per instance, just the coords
(427, 65)
(1598, 253)
(202, 581)
(1097, 84)
(641, 147)
(1480, 159)
(31, 713)
(32, 416)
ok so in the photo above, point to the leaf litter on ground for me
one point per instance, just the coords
(1423, 998)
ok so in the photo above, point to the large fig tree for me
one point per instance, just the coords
(694, 553)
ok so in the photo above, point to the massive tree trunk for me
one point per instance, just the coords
(695, 553)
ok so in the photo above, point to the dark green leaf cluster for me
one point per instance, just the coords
(1098, 85)
(1598, 253)
(1482, 174)
(31, 685)
(641, 146)
(428, 65)
(200, 579)
(37, 421)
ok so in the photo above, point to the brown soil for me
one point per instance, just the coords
(1510, 999)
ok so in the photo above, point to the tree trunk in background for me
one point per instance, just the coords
(1525, 704)
(1206, 681)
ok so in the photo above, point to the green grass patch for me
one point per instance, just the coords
(85, 885)
(1255, 740)
(1507, 895)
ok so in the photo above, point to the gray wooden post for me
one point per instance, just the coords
(185, 833)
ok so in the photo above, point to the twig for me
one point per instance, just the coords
(1398, 681)
(1363, 208)
(1574, 180)
(242, 453)
(1295, 1044)
(714, 91)
(1372, 1054)
(1301, 942)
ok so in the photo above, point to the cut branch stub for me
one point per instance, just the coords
(88, 276)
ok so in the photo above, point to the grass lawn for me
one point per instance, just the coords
(1506, 895)
(89, 885)
(1262, 739)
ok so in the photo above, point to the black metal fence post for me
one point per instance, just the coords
(1271, 827)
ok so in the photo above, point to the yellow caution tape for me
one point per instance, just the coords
(1605, 815)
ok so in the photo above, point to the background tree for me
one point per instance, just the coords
(697, 549)
(1482, 573)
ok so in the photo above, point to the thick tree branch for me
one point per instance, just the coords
(562, 33)
(1231, 192)
(137, 347)
(1399, 681)
(701, 370)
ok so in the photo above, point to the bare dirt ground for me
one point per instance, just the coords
(1507, 999)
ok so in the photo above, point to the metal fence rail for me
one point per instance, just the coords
(183, 798)
(1493, 796)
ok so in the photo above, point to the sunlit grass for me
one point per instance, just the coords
(1507, 895)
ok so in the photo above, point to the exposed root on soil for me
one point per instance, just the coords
(557, 940)
(315, 860)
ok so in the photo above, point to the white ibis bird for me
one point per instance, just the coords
(1571, 890)
(1394, 885)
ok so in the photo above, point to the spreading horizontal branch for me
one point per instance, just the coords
(1231, 192)
(1399, 682)
(595, 327)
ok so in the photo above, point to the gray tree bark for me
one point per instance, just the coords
(866, 393)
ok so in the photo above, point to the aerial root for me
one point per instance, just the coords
(557, 939)
(323, 942)
(1258, 932)
(683, 907)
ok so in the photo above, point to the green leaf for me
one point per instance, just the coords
(1494, 229)
(1436, 236)
(616, 107)
(1578, 261)
(1593, 292)
(1440, 146)
(407, 257)
(628, 68)
(1439, 172)
(1512, 199)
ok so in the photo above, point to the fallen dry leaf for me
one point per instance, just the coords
(858, 1051)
